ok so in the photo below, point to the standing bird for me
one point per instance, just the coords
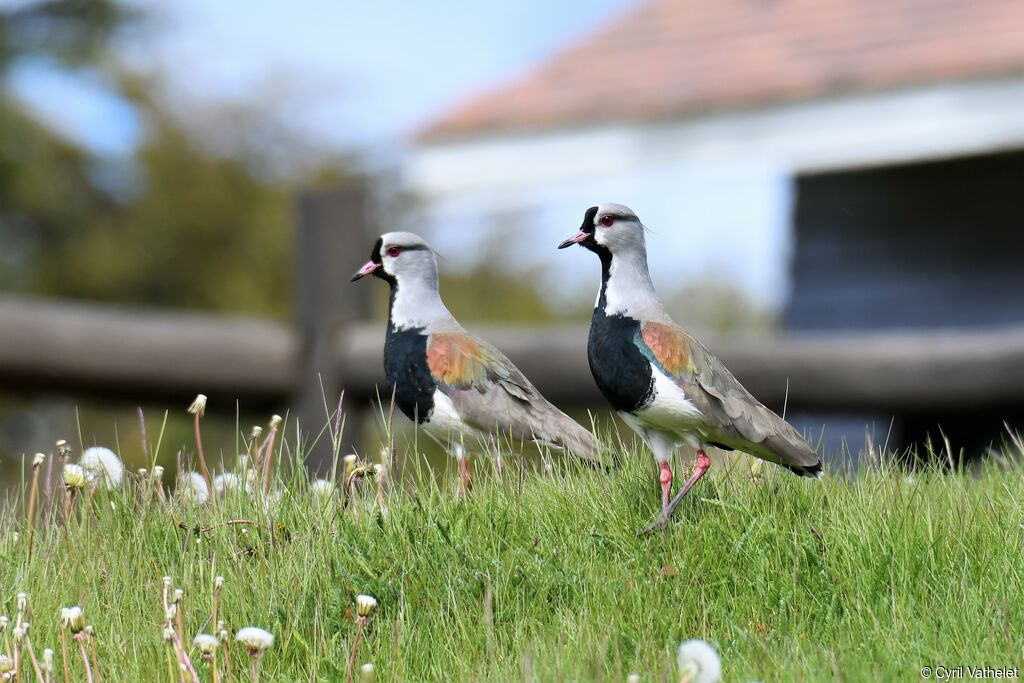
(663, 382)
(460, 389)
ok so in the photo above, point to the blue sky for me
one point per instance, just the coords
(350, 73)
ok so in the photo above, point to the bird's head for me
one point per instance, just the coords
(400, 257)
(609, 228)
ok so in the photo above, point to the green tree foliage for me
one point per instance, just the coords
(181, 223)
(75, 32)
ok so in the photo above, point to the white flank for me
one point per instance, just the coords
(446, 424)
(670, 409)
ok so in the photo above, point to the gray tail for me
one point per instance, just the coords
(811, 471)
(580, 442)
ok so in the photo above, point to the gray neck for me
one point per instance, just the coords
(628, 289)
(416, 303)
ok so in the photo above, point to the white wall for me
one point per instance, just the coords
(714, 190)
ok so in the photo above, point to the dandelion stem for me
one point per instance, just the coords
(268, 456)
(170, 665)
(64, 651)
(227, 660)
(202, 454)
(95, 660)
(85, 660)
(32, 497)
(355, 650)
(32, 657)
(142, 434)
(254, 670)
(68, 502)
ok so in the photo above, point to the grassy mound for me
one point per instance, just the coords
(540, 576)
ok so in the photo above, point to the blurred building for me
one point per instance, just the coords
(852, 165)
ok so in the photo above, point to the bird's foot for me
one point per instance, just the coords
(659, 523)
(663, 518)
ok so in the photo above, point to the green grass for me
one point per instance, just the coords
(542, 577)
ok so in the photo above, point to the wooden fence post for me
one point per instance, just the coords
(331, 241)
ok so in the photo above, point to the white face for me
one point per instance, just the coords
(405, 255)
(618, 229)
(400, 256)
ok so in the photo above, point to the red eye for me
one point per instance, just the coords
(393, 251)
(607, 221)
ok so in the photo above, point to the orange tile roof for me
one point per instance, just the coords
(669, 58)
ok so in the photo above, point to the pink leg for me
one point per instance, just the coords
(703, 465)
(465, 479)
(666, 484)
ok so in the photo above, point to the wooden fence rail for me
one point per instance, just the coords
(114, 350)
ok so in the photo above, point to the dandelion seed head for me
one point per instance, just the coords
(6, 665)
(365, 605)
(206, 643)
(192, 487)
(168, 634)
(198, 406)
(73, 618)
(350, 463)
(228, 481)
(4, 621)
(158, 472)
(179, 594)
(256, 640)
(756, 469)
(167, 582)
(48, 660)
(698, 662)
(74, 477)
(218, 583)
(38, 459)
(18, 633)
(102, 467)
(275, 421)
(256, 432)
(22, 601)
(633, 678)
(322, 489)
(272, 500)
(367, 672)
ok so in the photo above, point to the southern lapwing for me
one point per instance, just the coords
(460, 389)
(663, 382)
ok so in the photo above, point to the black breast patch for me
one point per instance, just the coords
(408, 375)
(621, 371)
